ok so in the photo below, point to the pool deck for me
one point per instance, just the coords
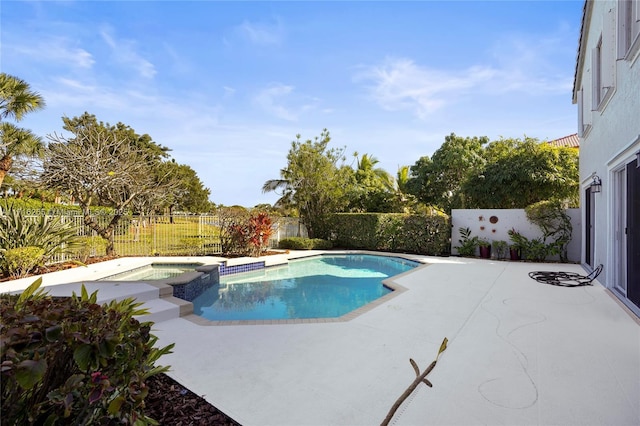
(520, 353)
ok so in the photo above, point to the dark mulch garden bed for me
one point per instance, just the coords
(170, 403)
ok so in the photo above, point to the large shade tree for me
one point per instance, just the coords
(16, 100)
(519, 173)
(438, 180)
(375, 189)
(314, 182)
(104, 165)
(189, 193)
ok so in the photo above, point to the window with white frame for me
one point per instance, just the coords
(596, 58)
(603, 63)
(628, 28)
(584, 114)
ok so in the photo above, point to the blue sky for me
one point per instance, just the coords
(228, 85)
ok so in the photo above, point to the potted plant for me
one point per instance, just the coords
(519, 242)
(500, 249)
(514, 252)
(485, 248)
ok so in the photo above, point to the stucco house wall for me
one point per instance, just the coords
(607, 92)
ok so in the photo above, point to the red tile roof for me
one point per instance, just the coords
(571, 141)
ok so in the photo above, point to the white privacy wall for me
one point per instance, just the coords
(479, 222)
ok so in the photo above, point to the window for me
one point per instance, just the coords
(596, 58)
(584, 116)
(603, 63)
(628, 28)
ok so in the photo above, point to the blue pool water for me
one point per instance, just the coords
(319, 287)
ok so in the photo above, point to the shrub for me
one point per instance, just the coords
(18, 262)
(191, 246)
(87, 247)
(500, 249)
(52, 234)
(299, 243)
(71, 361)
(260, 230)
(534, 249)
(251, 236)
(553, 220)
(468, 244)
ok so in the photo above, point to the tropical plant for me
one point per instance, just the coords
(468, 244)
(72, 361)
(252, 236)
(483, 242)
(50, 233)
(17, 98)
(260, 230)
(532, 249)
(555, 223)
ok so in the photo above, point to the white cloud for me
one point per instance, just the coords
(125, 53)
(282, 101)
(399, 84)
(57, 50)
(262, 33)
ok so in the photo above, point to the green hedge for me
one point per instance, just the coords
(418, 233)
(298, 243)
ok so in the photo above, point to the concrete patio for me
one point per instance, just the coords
(520, 353)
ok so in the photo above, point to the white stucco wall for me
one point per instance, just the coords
(478, 221)
(614, 137)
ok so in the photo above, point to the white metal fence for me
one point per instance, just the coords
(164, 235)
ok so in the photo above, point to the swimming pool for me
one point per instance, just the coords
(326, 286)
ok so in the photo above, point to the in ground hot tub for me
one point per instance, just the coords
(187, 279)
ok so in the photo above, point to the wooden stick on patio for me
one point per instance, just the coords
(420, 378)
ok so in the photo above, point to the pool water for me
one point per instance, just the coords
(152, 272)
(319, 287)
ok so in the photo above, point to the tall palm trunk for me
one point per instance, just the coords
(5, 165)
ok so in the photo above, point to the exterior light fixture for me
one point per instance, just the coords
(596, 185)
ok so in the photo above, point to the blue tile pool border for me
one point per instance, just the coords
(236, 269)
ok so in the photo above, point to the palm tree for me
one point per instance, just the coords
(16, 100)
(366, 164)
(283, 185)
(403, 178)
(16, 141)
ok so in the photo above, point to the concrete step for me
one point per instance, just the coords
(107, 291)
(158, 300)
(166, 308)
